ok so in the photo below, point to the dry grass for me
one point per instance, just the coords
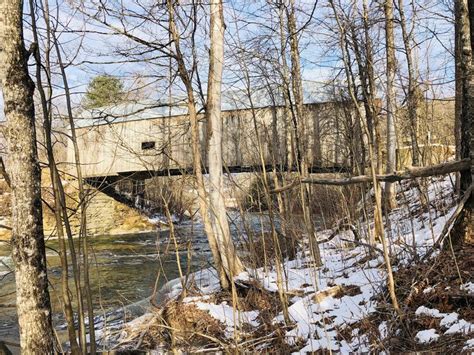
(261, 248)
(441, 275)
(170, 194)
(182, 326)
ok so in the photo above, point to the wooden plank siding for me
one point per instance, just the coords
(116, 148)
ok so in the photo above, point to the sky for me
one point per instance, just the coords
(92, 48)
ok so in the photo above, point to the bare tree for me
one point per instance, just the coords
(379, 229)
(222, 265)
(29, 256)
(300, 128)
(413, 90)
(45, 93)
(390, 93)
(230, 261)
(458, 89)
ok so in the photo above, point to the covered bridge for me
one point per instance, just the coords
(150, 139)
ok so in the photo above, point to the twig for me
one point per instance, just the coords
(4, 173)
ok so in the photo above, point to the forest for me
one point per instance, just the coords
(238, 176)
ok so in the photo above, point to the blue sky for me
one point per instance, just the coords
(319, 52)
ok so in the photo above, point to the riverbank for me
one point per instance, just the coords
(341, 306)
(105, 215)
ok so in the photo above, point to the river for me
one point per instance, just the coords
(124, 269)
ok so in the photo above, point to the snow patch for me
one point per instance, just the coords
(469, 287)
(426, 336)
(449, 320)
(469, 345)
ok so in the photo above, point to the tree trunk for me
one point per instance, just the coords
(410, 173)
(379, 230)
(82, 200)
(391, 137)
(302, 144)
(220, 225)
(289, 114)
(196, 149)
(458, 92)
(412, 95)
(28, 249)
(297, 88)
(45, 98)
(464, 227)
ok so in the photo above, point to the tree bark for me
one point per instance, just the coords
(391, 137)
(411, 173)
(458, 91)
(220, 225)
(463, 231)
(28, 248)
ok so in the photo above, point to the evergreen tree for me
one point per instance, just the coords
(104, 90)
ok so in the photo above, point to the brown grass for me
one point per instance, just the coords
(441, 274)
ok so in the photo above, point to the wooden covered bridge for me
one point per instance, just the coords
(146, 140)
(128, 144)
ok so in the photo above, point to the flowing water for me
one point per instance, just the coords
(124, 269)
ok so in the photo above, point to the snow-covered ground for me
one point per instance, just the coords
(327, 303)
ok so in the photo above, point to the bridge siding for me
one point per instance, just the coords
(115, 148)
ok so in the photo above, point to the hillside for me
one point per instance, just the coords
(342, 305)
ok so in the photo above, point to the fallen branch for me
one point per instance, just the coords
(294, 183)
(409, 173)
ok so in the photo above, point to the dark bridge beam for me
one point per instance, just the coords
(102, 182)
(147, 174)
(111, 185)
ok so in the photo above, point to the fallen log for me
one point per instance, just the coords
(409, 173)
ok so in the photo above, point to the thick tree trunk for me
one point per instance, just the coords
(196, 148)
(391, 137)
(458, 92)
(464, 227)
(28, 249)
(220, 225)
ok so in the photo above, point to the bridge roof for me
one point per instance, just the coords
(234, 99)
